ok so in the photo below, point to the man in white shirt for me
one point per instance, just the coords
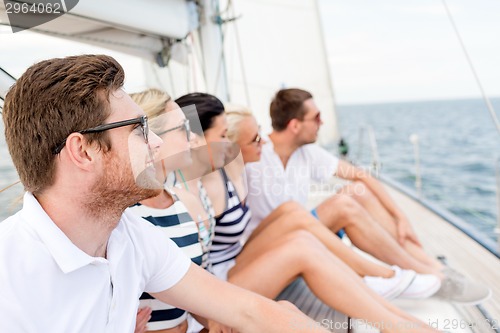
(363, 209)
(71, 260)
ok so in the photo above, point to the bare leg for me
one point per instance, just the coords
(342, 211)
(301, 254)
(284, 208)
(369, 201)
(300, 219)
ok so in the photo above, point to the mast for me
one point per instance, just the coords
(214, 67)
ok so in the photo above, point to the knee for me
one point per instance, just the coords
(289, 206)
(302, 250)
(300, 219)
(361, 192)
(301, 241)
(348, 207)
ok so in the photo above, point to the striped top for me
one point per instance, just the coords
(179, 227)
(229, 226)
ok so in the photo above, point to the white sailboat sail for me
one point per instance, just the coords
(281, 45)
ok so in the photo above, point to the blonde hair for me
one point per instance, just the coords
(235, 115)
(153, 101)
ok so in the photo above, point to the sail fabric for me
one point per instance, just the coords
(282, 47)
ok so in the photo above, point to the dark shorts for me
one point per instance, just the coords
(340, 233)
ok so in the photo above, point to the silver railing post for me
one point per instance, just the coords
(374, 150)
(497, 229)
(360, 143)
(416, 150)
(375, 164)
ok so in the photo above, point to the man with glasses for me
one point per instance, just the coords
(71, 260)
(362, 209)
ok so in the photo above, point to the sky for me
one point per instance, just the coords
(378, 51)
(392, 50)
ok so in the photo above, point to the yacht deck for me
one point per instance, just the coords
(439, 238)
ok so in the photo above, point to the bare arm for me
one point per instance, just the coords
(348, 171)
(143, 316)
(201, 293)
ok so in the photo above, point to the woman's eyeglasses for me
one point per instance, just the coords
(256, 140)
(142, 121)
(185, 126)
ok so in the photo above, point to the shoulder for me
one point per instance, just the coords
(314, 148)
(9, 230)
(315, 152)
(7, 225)
(147, 239)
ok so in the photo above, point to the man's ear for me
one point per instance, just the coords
(80, 152)
(294, 125)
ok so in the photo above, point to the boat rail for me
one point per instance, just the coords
(418, 177)
(375, 166)
(497, 229)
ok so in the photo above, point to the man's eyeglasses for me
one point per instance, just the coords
(185, 126)
(142, 121)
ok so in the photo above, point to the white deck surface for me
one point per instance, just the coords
(463, 254)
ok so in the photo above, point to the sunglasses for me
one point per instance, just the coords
(142, 121)
(317, 118)
(184, 126)
(257, 139)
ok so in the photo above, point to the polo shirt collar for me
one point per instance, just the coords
(66, 254)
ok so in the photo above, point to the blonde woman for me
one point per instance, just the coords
(165, 210)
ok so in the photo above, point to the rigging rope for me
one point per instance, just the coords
(221, 63)
(476, 76)
(240, 55)
(9, 186)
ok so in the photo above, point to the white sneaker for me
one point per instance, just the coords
(422, 286)
(392, 287)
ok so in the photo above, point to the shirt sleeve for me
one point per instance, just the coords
(323, 164)
(166, 263)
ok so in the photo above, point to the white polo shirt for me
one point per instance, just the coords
(270, 184)
(47, 284)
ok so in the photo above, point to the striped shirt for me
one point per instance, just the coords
(229, 226)
(179, 227)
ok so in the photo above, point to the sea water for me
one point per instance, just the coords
(459, 149)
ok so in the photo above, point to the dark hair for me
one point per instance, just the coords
(286, 105)
(207, 108)
(51, 100)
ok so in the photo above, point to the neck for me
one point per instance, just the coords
(284, 145)
(88, 228)
(195, 171)
(163, 200)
